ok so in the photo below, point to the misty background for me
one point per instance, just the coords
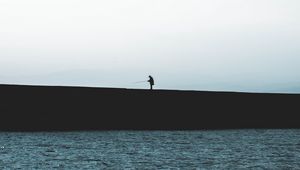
(232, 45)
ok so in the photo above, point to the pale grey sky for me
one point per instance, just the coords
(231, 45)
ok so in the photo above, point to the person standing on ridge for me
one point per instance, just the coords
(151, 81)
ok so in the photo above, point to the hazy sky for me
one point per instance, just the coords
(232, 45)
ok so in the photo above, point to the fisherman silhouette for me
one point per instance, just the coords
(151, 81)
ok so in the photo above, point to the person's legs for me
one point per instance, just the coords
(151, 87)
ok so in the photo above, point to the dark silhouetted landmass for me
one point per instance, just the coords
(48, 108)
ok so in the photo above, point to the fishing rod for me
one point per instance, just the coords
(140, 81)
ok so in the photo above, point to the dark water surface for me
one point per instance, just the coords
(224, 149)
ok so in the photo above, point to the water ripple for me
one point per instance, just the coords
(227, 149)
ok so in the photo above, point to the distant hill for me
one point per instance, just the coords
(48, 108)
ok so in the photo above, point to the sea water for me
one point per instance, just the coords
(205, 149)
